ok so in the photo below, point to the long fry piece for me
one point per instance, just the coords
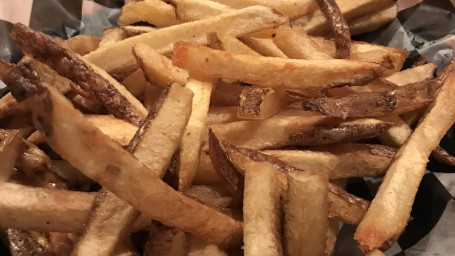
(390, 210)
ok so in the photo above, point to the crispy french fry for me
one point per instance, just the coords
(191, 10)
(92, 79)
(399, 187)
(397, 134)
(261, 208)
(123, 175)
(306, 212)
(166, 241)
(11, 148)
(155, 12)
(232, 44)
(113, 35)
(221, 115)
(82, 44)
(263, 46)
(199, 247)
(343, 161)
(260, 103)
(373, 20)
(232, 23)
(158, 69)
(291, 9)
(296, 44)
(316, 23)
(272, 72)
(191, 143)
(297, 131)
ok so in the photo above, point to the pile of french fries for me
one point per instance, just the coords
(226, 128)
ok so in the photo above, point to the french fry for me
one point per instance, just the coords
(398, 101)
(191, 10)
(412, 75)
(291, 9)
(199, 247)
(151, 95)
(316, 23)
(261, 208)
(92, 79)
(375, 253)
(11, 148)
(397, 134)
(343, 161)
(296, 44)
(205, 173)
(221, 115)
(82, 44)
(263, 46)
(112, 35)
(32, 159)
(123, 175)
(260, 103)
(136, 83)
(306, 212)
(399, 187)
(297, 131)
(272, 72)
(162, 40)
(332, 234)
(208, 196)
(191, 143)
(23, 242)
(232, 44)
(442, 156)
(155, 12)
(158, 69)
(166, 241)
(85, 105)
(226, 94)
(137, 30)
(373, 20)
(5, 67)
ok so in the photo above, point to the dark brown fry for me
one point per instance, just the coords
(339, 27)
(442, 156)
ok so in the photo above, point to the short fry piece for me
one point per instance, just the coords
(260, 103)
(306, 213)
(272, 72)
(155, 12)
(261, 208)
(390, 210)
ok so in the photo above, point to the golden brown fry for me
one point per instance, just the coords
(390, 210)
(261, 208)
(340, 161)
(123, 175)
(166, 241)
(296, 44)
(338, 26)
(277, 132)
(260, 103)
(442, 156)
(237, 23)
(412, 75)
(92, 79)
(136, 83)
(113, 35)
(398, 101)
(32, 159)
(191, 142)
(82, 44)
(11, 148)
(191, 10)
(199, 247)
(155, 12)
(137, 30)
(373, 21)
(158, 69)
(272, 72)
(221, 115)
(263, 46)
(306, 212)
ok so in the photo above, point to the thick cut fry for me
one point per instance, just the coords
(263, 46)
(338, 27)
(208, 196)
(199, 247)
(273, 72)
(306, 212)
(123, 175)
(261, 208)
(11, 148)
(316, 23)
(390, 210)
(260, 103)
(158, 69)
(391, 58)
(155, 12)
(296, 44)
(398, 101)
(373, 20)
(297, 131)
(232, 44)
(291, 9)
(191, 10)
(82, 44)
(191, 143)
(119, 56)
(165, 241)
(340, 161)
(93, 80)
(113, 35)
(221, 115)
(397, 134)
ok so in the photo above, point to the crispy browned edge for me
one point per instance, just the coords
(442, 156)
(339, 27)
(69, 65)
(369, 104)
(250, 100)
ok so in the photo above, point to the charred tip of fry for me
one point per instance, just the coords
(23, 81)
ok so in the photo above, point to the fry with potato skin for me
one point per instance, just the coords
(391, 207)
(123, 175)
(273, 72)
(260, 103)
